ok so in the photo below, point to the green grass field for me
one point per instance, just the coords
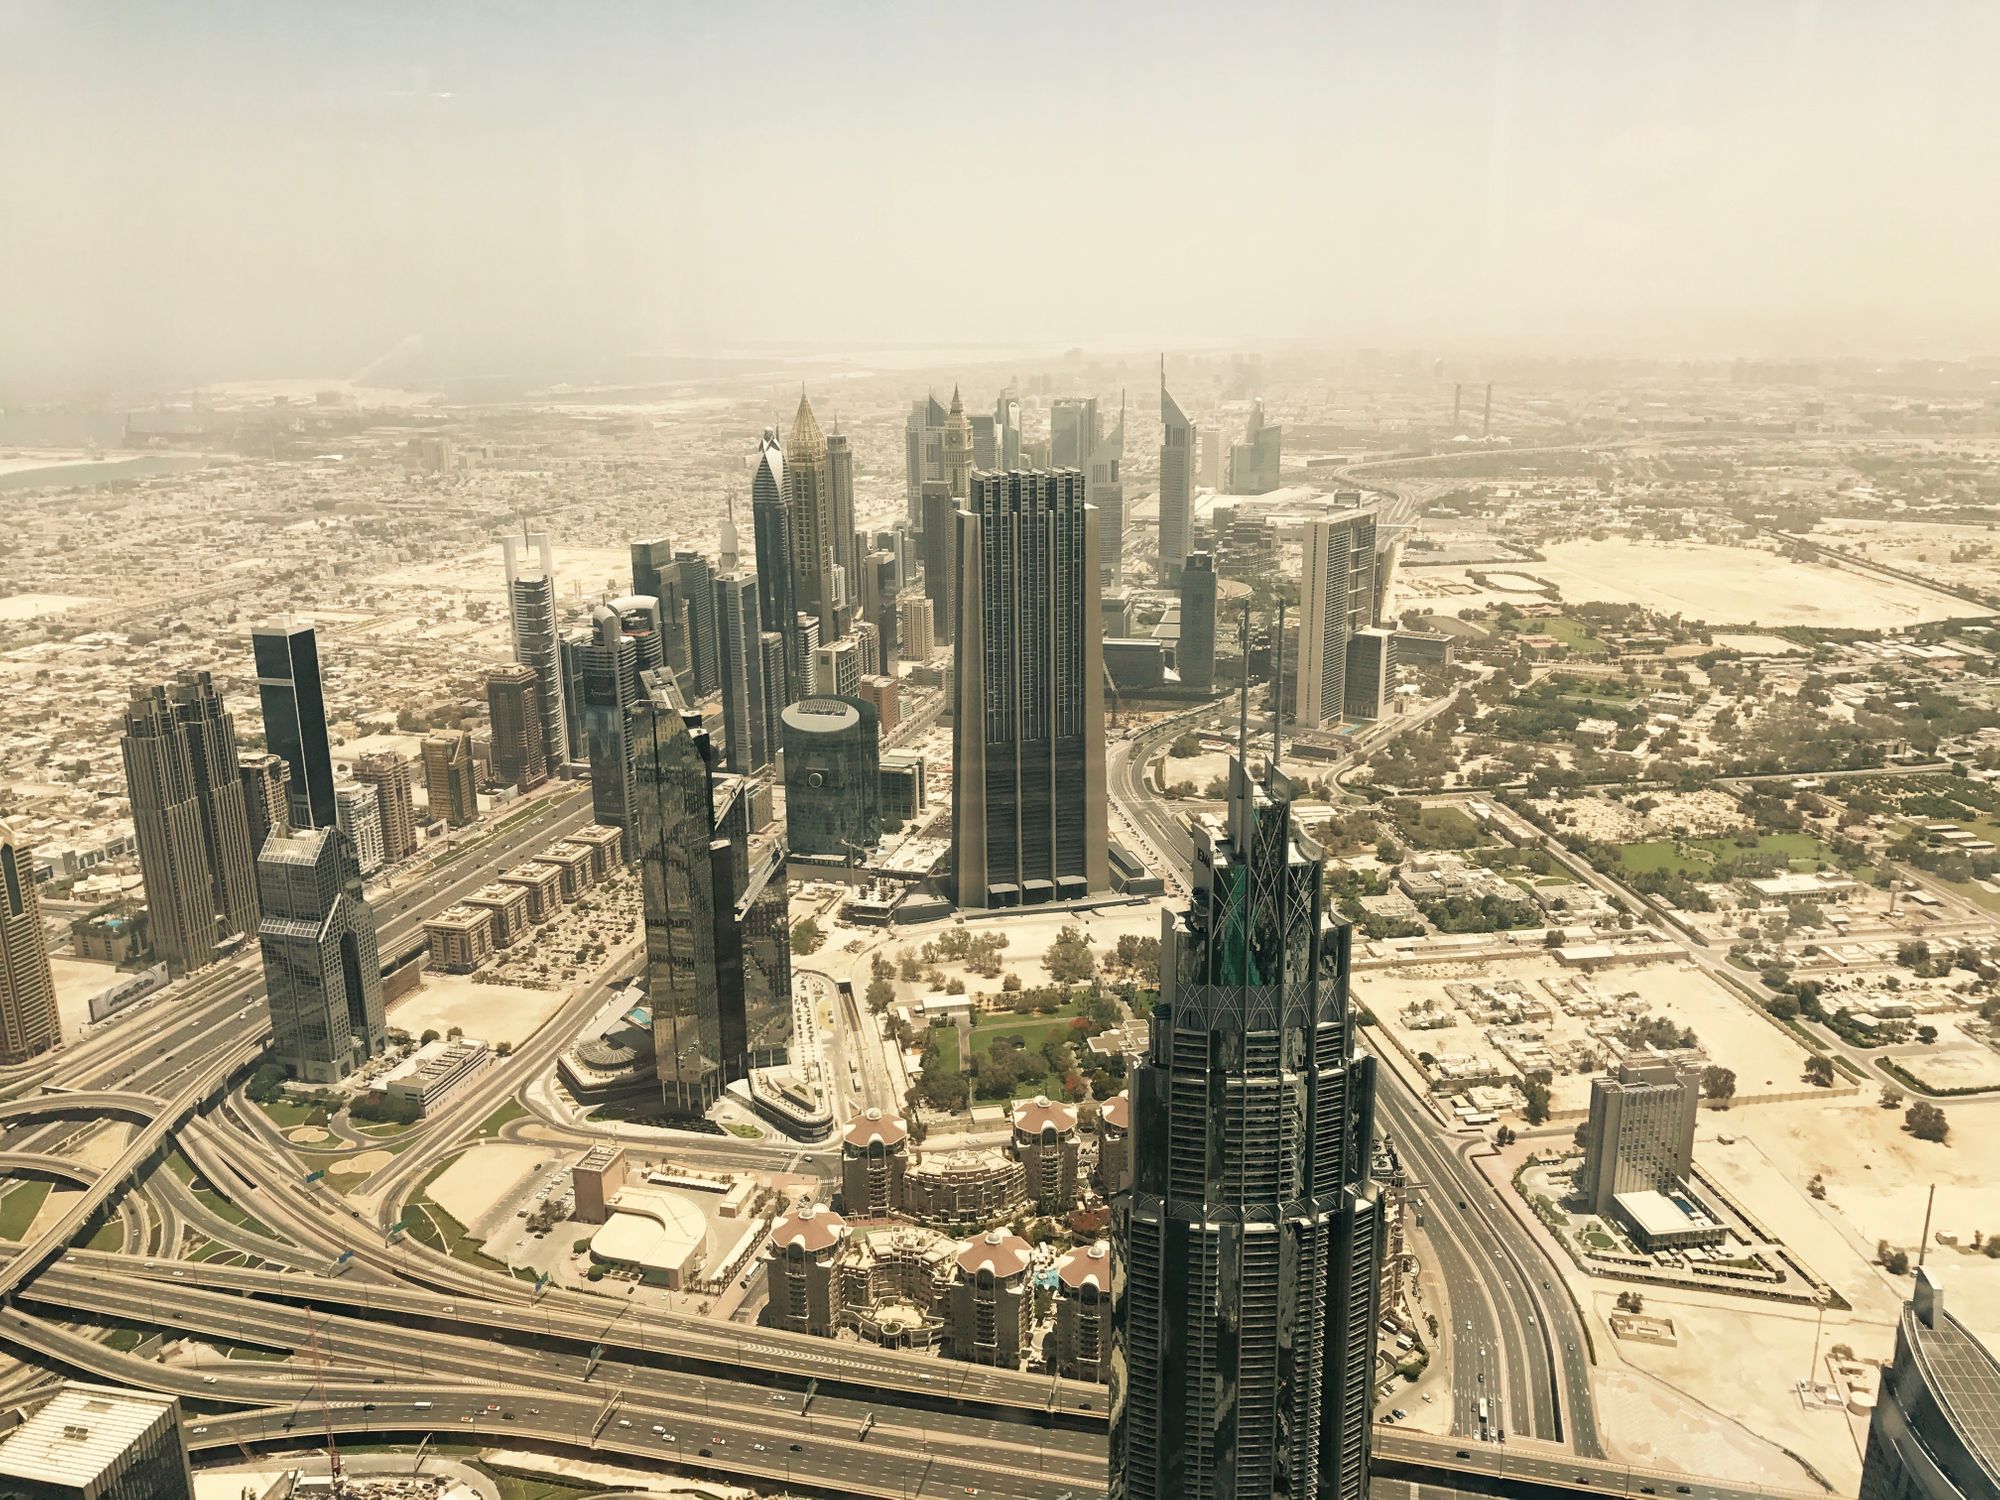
(19, 1207)
(1694, 857)
(1441, 828)
(506, 1114)
(1575, 635)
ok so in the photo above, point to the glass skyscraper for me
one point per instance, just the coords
(1247, 1248)
(288, 688)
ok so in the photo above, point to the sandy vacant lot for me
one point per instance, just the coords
(470, 1187)
(1738, 586)
(493, 1013)
(1700, 813)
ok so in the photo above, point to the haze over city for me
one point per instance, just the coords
(1050, 753)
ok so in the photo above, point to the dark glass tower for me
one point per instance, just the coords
(322, 973)
(1246, 1250)
(771, 514)
(718, 945)
(1935, 1434)
(1028, 821)
(288, 686)
(746, 725)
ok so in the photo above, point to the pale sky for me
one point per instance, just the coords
(235, 189)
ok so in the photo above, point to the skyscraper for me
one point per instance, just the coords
(294, 704)
(940, 537)
(514, 716)
(718, 948)
(531, 601)
(1247, 1247)
(811, 518)
(655, 574)
(322, 973)
(1028, 819)
(1640, 1134)
(1337, 599)
(449, 783)
(957, 449)
(771, 513)
(746, 728)
(1176, 483)
(608, 685)
(1007, 430)
(189, 822)
(28, 1022)
(833, 778)
(916, 633)
(389, 773)
(692, 595)
(1195, 654)
(266, 797)
(1935, 1433)
(840, 510)
(357, 813)
(923, 452)
(1107, 493)
(1253, 463)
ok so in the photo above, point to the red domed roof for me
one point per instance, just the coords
(1117, 1111)
(1089, 1266)
(1033, 1116)
(874, 1125)
(1004, 1253)
(813, 1227)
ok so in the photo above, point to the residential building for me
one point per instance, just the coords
(294, 705)
(1337, 599)
(1935, 1431)
(1114, 1145)
(1044, 1141)
(1028, 806)
(389, 774)
(1640, 1134)
(1252, 1118)
(1176, 484)
(1370, 685)
(28, 1021)
(1083, 1313)
(838, 669)
(266, 796)
(916, 635)
(873, 1153)
(460, 938)
(357, 813)
(98, 1442)
(990, 1305)
(322, 973)
(531, 602)
(833, 791)
(449, 781)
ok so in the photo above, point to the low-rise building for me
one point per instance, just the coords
(595, 1180)
(509, 905)
(573, 864)
(967, 1186)
(98, 1442)
(435, 1071)
(544, 885)
(461, 938)
(606, 845)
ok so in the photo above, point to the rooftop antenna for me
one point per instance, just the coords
(1278, 687)
(1925, 1243)
(1243, 697)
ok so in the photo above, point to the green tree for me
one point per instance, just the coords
(1926, 1122)
(1536, 1094)
(1069, 959)
(1819, 1070)
(807, 938)
(880, 993)
(1718, 1084)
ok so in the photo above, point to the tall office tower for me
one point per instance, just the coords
(1176, 483)
(807, 633)
(608, 685)
(1337, 600)
(570, 646)
(28, 1022)
(718, 947)
(537, 641)
(322, 973)
(1934, 1434)
(957, 449)
(357, 812)
(169, 825)
(771, 647)
(1195, 655)
(940, 556)
(916, 635)
(514, 717)
(811, 514)
(294, 704)
(1073, 432)
(694, 596)
(639, 623)
(746, 727)
(837, 669)
(833, 778)
(1254, 462)
(1028, 706)
(868, 641)
(840, 509)
(1371, 674)
(266, 781)
(1640, 1135)
(923, 452)
(1107, 492)
(655, 571)
(985, 440)
(881, 582)
(1007, 427)
(1247, 1247)
(218, 787)
(389, 773)
(771, 511)
(1210, 462)
(449, 780)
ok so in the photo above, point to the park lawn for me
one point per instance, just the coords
(505, 1115)
(19, 1207)
(1695, 857)
(289, 1114)
(1032, 1030)
(1575, 635)
(1441, 828)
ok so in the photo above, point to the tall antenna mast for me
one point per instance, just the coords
(1278, 686)
(1925, 1243)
